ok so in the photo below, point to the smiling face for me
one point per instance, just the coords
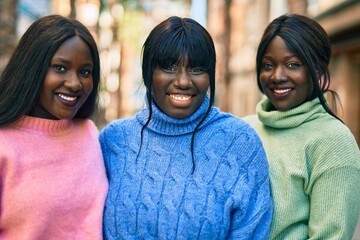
(68, 81)
(284, 77)
(179, 90)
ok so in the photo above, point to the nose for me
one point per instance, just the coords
(182, 79)
(73, 82)
(279, 74)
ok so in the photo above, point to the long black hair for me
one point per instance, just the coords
(307, 39)
(23, 76)
(173, 39)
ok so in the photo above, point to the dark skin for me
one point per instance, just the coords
(179, 90)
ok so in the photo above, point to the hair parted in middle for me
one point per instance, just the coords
(23, 77)
(309, 41)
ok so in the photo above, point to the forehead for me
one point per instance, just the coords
(74, 47)
(74, 50)
(277, 44)
(278, 48)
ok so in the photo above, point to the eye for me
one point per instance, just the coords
(196, 70)
(293, 65)
(59, 68)
(267, 66)
(85, 72)
(170, 69)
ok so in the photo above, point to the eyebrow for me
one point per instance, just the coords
(60, 59)
(286, 58)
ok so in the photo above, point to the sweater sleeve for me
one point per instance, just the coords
(104, 148)
(109, 137)
(335, 204)
(334, 187)
(254, 221)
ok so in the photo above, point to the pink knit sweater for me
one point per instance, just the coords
(53, 181)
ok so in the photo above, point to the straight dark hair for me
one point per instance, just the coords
(309, 41)
(170, 42)
(23, 77)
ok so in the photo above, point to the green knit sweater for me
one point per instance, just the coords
(314, 171)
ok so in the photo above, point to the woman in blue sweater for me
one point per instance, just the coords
(181, 169)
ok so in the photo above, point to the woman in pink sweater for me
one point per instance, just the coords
(53, 183)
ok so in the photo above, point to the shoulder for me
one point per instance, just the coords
(85, 126)
(226, 119)
(234, 132)
(115, 126)
(329, 130)
(332, 143)
(241, 145)
(89, 124)
(236, 125)
(118, 129)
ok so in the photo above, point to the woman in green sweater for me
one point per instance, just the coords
(314, 159)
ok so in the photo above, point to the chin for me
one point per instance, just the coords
(281, 108)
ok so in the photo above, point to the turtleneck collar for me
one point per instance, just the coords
(42, 125)
(164, 124)
(290, 118)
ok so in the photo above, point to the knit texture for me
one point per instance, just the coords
(314, 172)
(53, 180)
(155, 196)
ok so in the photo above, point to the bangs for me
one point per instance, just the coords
(172, 50)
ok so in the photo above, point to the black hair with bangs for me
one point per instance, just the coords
(169, 43)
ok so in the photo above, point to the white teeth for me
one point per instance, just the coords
(180, 97)
(282, 90)
(67, 98)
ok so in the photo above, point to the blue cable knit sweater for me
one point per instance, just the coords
(155, 196)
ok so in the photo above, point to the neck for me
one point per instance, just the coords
(40, 112)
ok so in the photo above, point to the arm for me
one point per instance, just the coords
(253, 217)
(334, 186)
(335, 204)
(104, 149)
(110, 139)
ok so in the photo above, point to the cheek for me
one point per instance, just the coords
(262, 80)
(157, 93)
(156, 86)
(88, 86)
(45, 92)
(203, 84)
(205, 87)
(263, 76)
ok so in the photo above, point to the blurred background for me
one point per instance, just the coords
(121, 26)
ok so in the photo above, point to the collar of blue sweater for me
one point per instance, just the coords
(291, 118)
(164, 124)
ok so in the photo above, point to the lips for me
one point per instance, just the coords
(281, 92)
(180, 97)
(67, 99)
(180, 100)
